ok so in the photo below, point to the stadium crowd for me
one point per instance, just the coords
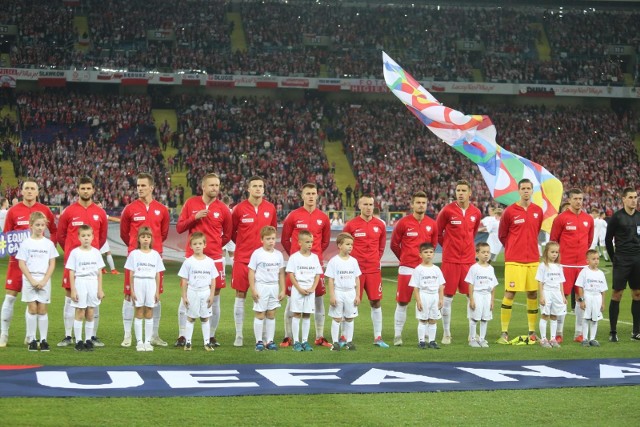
(333, 40)
(392, 154)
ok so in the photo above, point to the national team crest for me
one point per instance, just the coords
(266, 214)
(376, 229)
(216, 214)
(586, 224)
(157, 212)
(473, 218)
(96, 217)
(535, 215)
(428, 228)
(319, 221)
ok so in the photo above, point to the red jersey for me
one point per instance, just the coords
(370, 238)
(316, 222)
(76, 215)
(408, 235)
(457, 232)
(247, 221)
(575, 234)
(518, 232)
(18, 219)
(135, 215)
(216, 226)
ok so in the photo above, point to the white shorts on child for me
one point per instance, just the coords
(345, 307)
(198, 305)
(145, 291)
(31, 294)
(483, 307)
(593, 302)
(554, 304)
(430, 308)
(268, 297)
(105, 248)
(87, 289)
(302, 303)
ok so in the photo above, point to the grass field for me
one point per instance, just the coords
(588, 406)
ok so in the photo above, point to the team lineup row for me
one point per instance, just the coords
(454, 229)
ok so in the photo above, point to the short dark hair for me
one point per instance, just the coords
(207, 176)
(147, 176)
(86, 180)
(254, 178)
(426, 246)
(419, 195)
(524, 181)
(463, 182)
(573, 191)
(627, 190)
(481, 245)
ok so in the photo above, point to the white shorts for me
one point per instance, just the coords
(302, 303)
(31, 294)
(429, 307)
(145, 291)
(554, 305)
(105, 248)
(268, 298)
(483, 307)
(345, 307)
(87, 289)
(198, 303)
(593, 302)
(230, 247)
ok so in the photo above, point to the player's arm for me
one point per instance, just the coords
(164, 224)
(358, 296)
(416, 295)
(476, 224)
(287, 232)
(185, 220)
(434, 235)
(441, 297)
(104, 229)
(332, 291)
(235, 221)
(493, 297)
(61, 232)
(251, 276)
(100, 289)
(608, 238)
(53, 229)
(227, 227)
(441, 222)
(556, 230)
(541, 298)
(503, 228)
(382, 241)
(326, 235)
(125, 226)
(396, 238)
(72, 284)
(157, 295)
(472, 302)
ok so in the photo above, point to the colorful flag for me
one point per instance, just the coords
(475, 137)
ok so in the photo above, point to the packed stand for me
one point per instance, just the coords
(393, 155)
(241, 137)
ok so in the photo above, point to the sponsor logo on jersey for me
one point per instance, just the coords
(412, 233)
(77, 223)
(519, 221)
(359, 234)
(570, 227)
(247, 220)
(456, 222)
(302, 226)
(22, 222)
(139, 218)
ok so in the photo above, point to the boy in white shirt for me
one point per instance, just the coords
(198, 283)
(482, 288)
(144, 265)
(428, 283)
(343, 282)
(85, 266)
(592, 286)
(304, 272)
(37, 261)
(266, 282)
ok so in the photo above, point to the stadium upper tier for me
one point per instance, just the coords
(320, 39)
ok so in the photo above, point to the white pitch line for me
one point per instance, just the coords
(524, 305)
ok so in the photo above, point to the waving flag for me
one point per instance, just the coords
(475, 137)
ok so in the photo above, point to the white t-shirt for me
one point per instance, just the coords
(343, 272)
(85, 263)
(144, 265)
(427, 279)
(483, 278)
(267, 266)
(551, 276)
(304, 268)
(492, 224)
(199, 273)
(36, 253)
(592, 280)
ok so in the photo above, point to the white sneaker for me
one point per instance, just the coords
(4, 339)
(474, 343)
(397, 341)
(446, 340)
(484, 343)
(126, 342)
(238, 341)
(140, 346)
(148, 346)
(158, 341)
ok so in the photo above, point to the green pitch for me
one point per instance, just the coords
(588, 406)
